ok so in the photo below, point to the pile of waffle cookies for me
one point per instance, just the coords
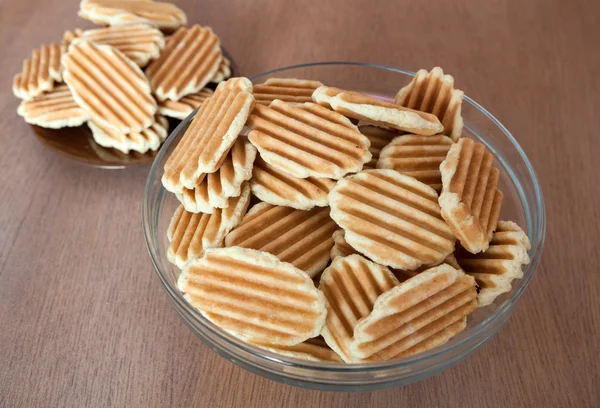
(123, 79)
(373, 227)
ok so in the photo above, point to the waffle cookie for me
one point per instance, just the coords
(495, 268)
(393, 219)
(138, 42)
(55, 109)
(351, 285)
(289, 90)
(421, 313)
(314, 349)
(470, 200)
(434, 92)
(211, 134)
(379, 138)
(213, 190)
(183, 107)
(165, 16)
(111, 88)
(223, 72)
(302, 238)
(191, 234)
(307, 140)
(188, 62)
(39, 73)
(340, 246)
(70, 35)
(417, 156)
(364, 107)
(254, 295)
(279, 188)
(148, 139)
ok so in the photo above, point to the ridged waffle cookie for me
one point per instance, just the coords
(420, 313)
(470, 200)
(191, 234)
(307, 140)
(255, 296)
(302, 238)
(111, 88)
(223, 72)
(55, 109)
(70, 35)
(434, 92)
(189, 61)
(183, 107)
(165, 16)
(314, 349)
(391, 218)
(39, 72)
(213, 190)
(495, 268)
(279, 188)
(417, 156)
(379, 138)
(141, 142)
(340, 246)
(364, 107)
(138, 42)
(351, 286)
(289, 90)
(211, 134)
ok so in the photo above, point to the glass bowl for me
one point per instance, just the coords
(523, 203)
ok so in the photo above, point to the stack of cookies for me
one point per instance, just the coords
(123, 79)
(374, 230)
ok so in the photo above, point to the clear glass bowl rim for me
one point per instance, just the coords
(537, 237)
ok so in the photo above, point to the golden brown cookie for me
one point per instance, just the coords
(417, 156)
(434, 92)
(423, 312)
(138, 42)
(495, 268)
(289, 90)
(364, 107)
(188, 62)
(213, 190)
(148, 139)
(39, 73)
(54, 109)
(183, 107)
(307, 140)
(314, 349)
(302, 238)
(391, 218)
(211, 134)
(191, 234)
(109, 86)
(351, 285)
(224, 71)
(165, 16)
(470, 200)
(255, 296)
(379, 138)
(279, 188)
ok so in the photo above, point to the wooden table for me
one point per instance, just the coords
(84, 321)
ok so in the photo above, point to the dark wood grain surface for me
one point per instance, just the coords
(84, 321)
